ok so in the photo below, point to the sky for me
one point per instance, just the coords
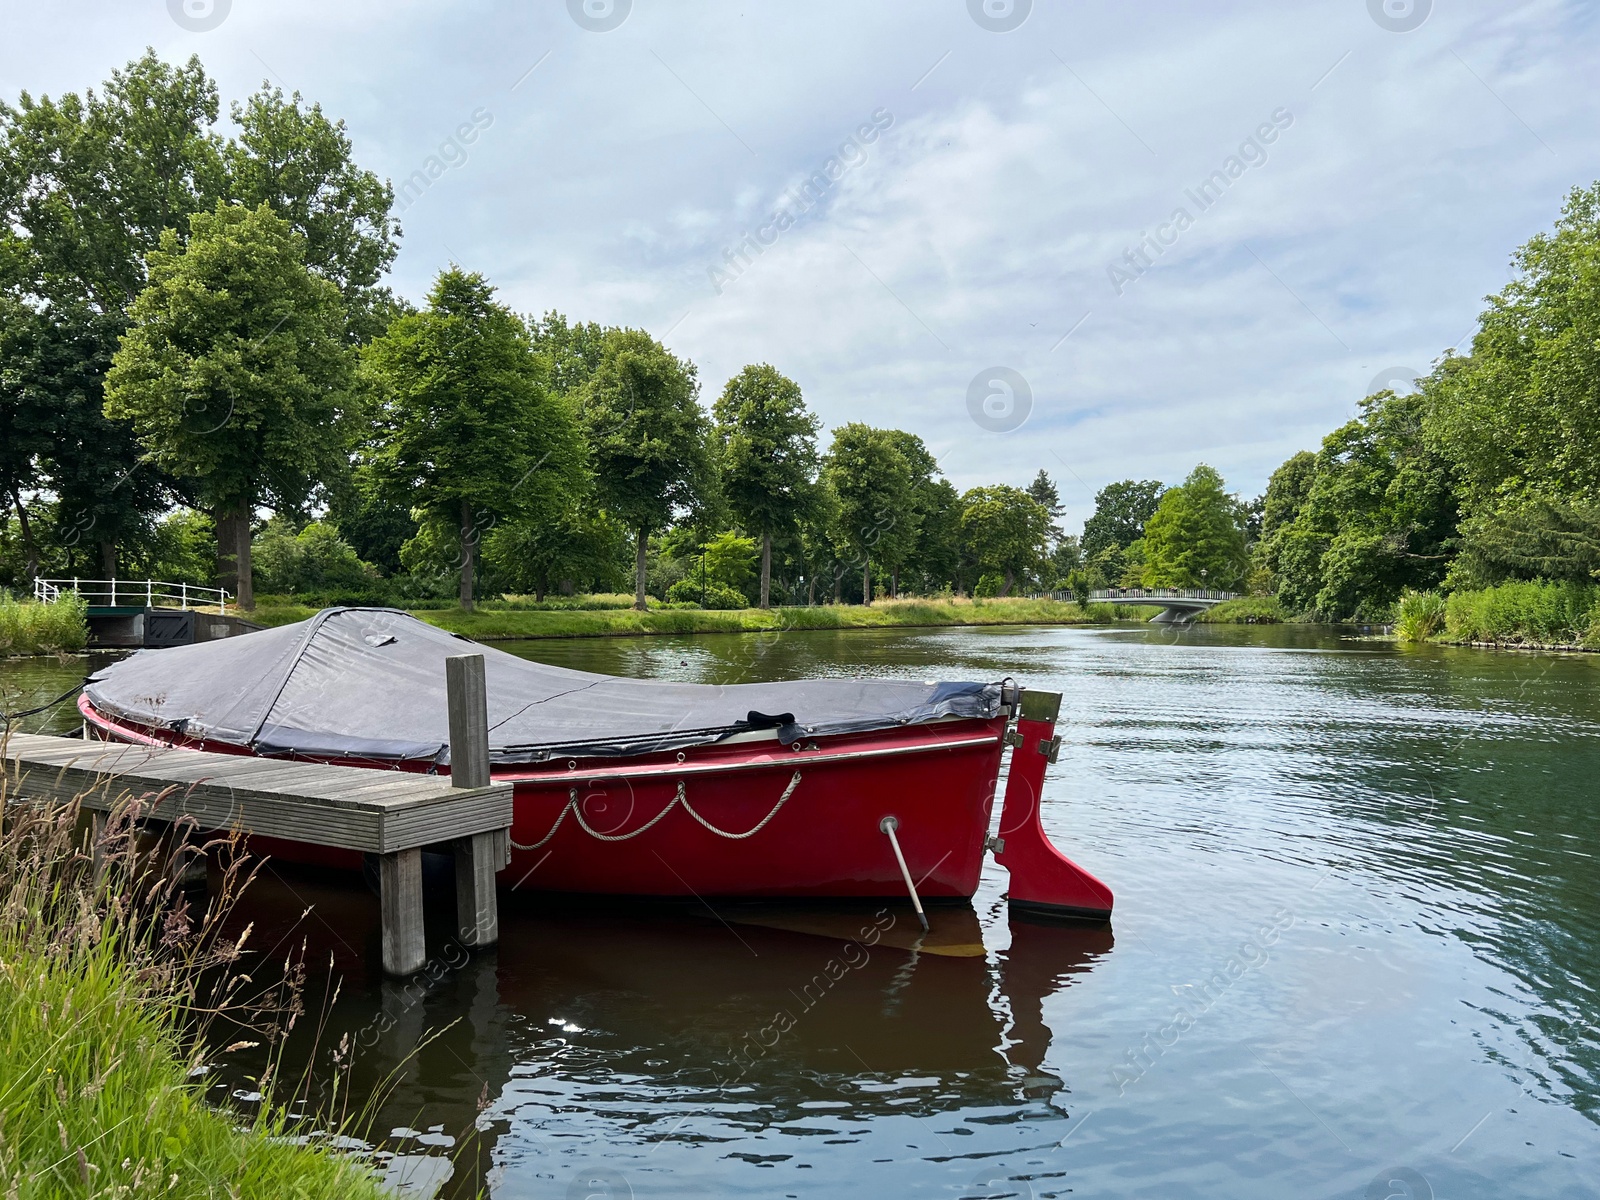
(988, 222)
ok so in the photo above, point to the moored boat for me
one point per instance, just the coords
(808, 788)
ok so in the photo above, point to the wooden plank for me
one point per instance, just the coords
(378, 811)
(467, 696)
(476, 811)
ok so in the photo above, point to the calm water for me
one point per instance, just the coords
(1357, 940)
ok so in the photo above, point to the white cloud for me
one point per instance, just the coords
(980, 227)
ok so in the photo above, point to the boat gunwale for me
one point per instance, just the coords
(517, 773)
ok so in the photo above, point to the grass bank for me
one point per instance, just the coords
(28, 627)
(1246, 610)
(100, 997)
(1535, 614)
(500, 621)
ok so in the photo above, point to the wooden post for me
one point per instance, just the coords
(400, 884)
(97, 840)
(477, 914)
(477, 857)
(467, 698)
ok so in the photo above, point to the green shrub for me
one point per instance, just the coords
(988, 587)
(314, 561)
(1246, 610)
(28, 627)
(1537, 613)
(716, 595)
(1421, 616)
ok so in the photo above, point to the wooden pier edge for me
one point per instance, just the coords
(391, 814)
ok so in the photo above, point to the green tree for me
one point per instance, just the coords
(1281, 505)
(579, 546)
(1195, 538)
(470, 437)
(769, 456)
(1007, 532)
(1120, 513)
(573, 351)
(872, 485)
(652, 442)
(300, 164)
(88, 184)
(935, 552)
(1380, 516)
(1521, 414)
(234, 373)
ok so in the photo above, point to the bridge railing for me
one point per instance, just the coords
(1112, 595)
(127, 593)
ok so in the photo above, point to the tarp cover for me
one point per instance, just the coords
(370, 683)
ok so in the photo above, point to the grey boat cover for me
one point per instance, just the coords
(369, 683)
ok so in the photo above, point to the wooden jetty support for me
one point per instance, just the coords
(392, 814)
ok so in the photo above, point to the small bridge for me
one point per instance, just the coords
(1178, 605)
(148, 612)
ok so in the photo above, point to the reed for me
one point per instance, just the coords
(111, 982)
(29, 627)
(1420, 617)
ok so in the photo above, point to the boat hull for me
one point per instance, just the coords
(738, 818)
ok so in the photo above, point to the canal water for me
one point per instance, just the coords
(1355, 954)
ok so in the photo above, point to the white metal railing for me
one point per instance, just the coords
(150, 593)
(1115, 594)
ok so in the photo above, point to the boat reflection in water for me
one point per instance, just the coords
(599, 1032)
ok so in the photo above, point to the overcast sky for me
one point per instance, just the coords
(983, 219)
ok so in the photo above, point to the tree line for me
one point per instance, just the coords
(1489, 472)
(194, 331)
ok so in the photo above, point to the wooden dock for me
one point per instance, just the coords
(392, 814)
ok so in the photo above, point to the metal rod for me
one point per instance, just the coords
(889, 825)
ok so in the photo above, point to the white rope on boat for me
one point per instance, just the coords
(682, 797)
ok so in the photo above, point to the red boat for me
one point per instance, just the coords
(813, 788)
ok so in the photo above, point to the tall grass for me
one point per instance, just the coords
(1536, 613)
(109, 982)
(29, 627)
(1421, 615)
(1246, 610)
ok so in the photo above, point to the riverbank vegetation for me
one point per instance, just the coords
(1523, 612)
(511, 619)
(1246, 610)
(106, 976)
(31, 627)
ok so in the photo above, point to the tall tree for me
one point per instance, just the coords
(769, 456)
(874, 489)
(1007, 532)
(234, 373)
(1120, 513)
(1381, 515)
(1521, 414)
(471, 437)
(935, 552)
(573, 350)
(651, 439)
(1044, 490)
(1196, 536)
(300, 164)
(88, 184)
